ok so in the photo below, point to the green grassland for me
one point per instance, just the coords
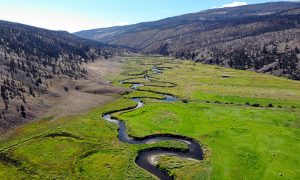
(240, 141)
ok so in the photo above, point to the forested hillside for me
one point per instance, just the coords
(31, 59)
(262, 37)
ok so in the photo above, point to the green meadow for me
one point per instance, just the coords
(247, 124)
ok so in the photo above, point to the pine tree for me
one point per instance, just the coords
(23, 113)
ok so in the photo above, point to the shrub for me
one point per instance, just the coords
(185, 101)
(256, 105)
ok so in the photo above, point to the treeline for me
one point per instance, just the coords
(261, 43)
(267, 60)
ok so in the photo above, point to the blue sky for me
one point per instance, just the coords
(75, 15)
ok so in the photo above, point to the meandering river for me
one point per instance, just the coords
(145, 158)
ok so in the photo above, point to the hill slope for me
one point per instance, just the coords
(264, 36)
(32, 60)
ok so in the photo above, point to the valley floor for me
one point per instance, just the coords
(54, 102)
(247, 123)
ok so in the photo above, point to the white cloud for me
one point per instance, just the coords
(55, 21)
(235, 4)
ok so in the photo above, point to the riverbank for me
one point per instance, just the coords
(239, 140)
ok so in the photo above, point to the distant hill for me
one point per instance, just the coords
(262, 37)
(31, 59)
(26, 40)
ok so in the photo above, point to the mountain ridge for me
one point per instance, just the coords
(213, 36)
(288, 5)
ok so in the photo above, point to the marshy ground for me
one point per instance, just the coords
(247, 123)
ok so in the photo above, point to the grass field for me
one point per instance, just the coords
(248, 125)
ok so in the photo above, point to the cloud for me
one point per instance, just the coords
(235, 4)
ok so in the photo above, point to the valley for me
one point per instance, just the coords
(150, 89)
(246, 123)
(258, 37)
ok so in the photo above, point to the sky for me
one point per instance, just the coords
(76, 15)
